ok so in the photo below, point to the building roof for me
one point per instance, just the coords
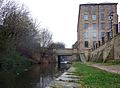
(105, 3)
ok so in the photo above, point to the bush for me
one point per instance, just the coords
(13, 61)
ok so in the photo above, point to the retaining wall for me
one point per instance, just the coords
(109, 51)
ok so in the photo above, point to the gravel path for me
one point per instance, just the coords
(109, 68)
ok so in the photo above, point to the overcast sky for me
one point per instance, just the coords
(59, 16)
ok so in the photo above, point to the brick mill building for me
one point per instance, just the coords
(96, 23)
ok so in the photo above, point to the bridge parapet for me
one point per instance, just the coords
(75, 51)
(65, 51)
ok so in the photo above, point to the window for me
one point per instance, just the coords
(94, 35)
(102, 34)
(85, 17)
(86, 9)
(99, 43)
(93, 9)
(99, 35)
(93, 26)
(93, 17)
(94, 44)
(101, 8)
(85, 35)
(102, 16)
(86, 26)
(86, 44)
(102, 26)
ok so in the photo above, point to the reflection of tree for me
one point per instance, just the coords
(39, 76)
(7, 80)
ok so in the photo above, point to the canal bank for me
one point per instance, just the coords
(67, 80)
(81, 75)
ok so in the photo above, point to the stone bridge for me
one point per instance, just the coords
(65, 52)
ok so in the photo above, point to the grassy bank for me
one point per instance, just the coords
(91, 77)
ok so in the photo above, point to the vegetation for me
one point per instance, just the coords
(58, 45)
(21, 37)
(14, 62)
(91, 77)
(112, 62)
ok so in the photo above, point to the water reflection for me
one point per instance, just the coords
(38, 77)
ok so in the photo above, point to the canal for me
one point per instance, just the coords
(39, 76)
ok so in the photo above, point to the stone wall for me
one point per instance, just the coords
(109, 51)
(117, 47)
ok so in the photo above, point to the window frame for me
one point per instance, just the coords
(94, 35)
(102, 17)
(86, 44)
(101, 8)
(94, 26)
(102, 34)
(85, 17)
(86, 8)
(94, 17)
(85, 35)
(86, 25)
(102, 26)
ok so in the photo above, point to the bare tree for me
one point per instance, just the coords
(45, 38)
(20, 32)
(19, 29)
(57, 45)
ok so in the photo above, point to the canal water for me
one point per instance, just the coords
(39, 76)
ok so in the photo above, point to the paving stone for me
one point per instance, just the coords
(66, 80)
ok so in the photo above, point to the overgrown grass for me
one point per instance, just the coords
(91, 77)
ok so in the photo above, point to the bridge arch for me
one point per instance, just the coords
(65, 52)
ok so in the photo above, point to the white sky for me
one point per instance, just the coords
(59, 16)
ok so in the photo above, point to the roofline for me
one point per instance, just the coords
(98, 4)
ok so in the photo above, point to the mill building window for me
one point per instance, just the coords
(102, 26)
(93, 26)
(86, 44)
(85, 17)
(93, 17)
(102, 16)
(86, 26)
(85, 35)
(94, 35)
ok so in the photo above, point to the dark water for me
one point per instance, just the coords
(39, 76)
